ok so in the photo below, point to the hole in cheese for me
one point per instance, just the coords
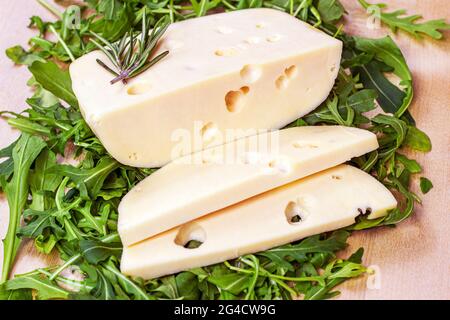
(293, 213)
(235, 100)
(366, 211)
(208, 132)
(139, 88)
(190, 236)
(291, 71)
(245, 89)
(281, 82)
(334, 177)
(251, 73)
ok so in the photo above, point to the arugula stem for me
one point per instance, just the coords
(63, 43)
(286, 287)
(71, 282)
(228, 5)
(64, 266)
(50, 8)
(300, 7)
(265, 273)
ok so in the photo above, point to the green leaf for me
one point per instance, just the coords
(23, 154)
(128, 285)
(396, 124)
(330, 10)
(41, 180)
(234, 283)
(425, 185)
(410, 164)
(95, 251)
(88, 180)
(390, 97)
(168, 287)
(45, 289)
(397, 20)
(7, 166)
(19, 56)
(45, 244)
(363, 100)
(55, 80)
(397, 215)
(312, 244)
(187, 284)
(37, 221)
(385, 51)
(336, 273)
(18, 294)
(417, 140)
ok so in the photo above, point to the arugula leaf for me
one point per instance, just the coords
(7, 166)
(41, 181)
(298, 252)
(396, 20)
(425, 185)
(386, 53)
(347, 269)
(97, 251)
(53, 79)
(24, 152)
(417, 140)
(411, 165)
(19, 56)
(233, 283)
(136, 291)
(45, 289)
(88, 180)
(330, 10)
(16, 294)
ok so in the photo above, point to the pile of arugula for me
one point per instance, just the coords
(73, 209)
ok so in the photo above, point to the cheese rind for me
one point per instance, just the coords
(207, 181)
(248, 69)
(326, 201)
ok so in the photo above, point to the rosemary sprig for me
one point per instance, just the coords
(130, 55)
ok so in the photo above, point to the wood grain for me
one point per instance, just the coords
(413, 259)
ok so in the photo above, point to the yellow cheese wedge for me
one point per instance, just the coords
(326, 201)
(207, 181)
(248, 69)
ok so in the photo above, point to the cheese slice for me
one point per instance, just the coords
(248, 70)
(326, 201)
(207, 181)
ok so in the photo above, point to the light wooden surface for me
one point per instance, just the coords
(413, 259)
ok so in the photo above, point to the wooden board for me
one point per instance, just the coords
(413, 259)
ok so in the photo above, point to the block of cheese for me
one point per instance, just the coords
(217, 177)
(248, 69)
(325, 201)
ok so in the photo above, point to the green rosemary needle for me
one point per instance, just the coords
(130, 55)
